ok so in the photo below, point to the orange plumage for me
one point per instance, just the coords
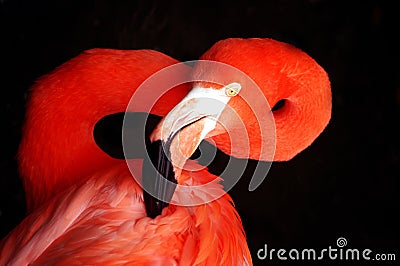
(57, 147)
(86, 208)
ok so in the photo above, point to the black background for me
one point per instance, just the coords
(345, 185)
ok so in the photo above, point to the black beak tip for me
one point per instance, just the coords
(154, 206)
(159, 181)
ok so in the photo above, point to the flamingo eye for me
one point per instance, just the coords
(232, 89)
(230, 92)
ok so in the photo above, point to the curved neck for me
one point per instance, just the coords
(58, 147)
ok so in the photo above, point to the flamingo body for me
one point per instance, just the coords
(102, 221)
(86, 208)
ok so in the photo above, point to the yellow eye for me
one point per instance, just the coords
(232, 89)
(230, 92)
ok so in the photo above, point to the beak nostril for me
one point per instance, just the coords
(279, 105)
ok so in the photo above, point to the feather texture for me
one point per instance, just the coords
(103, 221)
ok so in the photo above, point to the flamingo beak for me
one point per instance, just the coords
(177, 137)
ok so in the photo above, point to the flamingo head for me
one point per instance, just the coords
(252, 98)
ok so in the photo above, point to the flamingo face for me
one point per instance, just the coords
(202, 108)
(199, 103)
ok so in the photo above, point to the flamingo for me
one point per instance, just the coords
(85, 206)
